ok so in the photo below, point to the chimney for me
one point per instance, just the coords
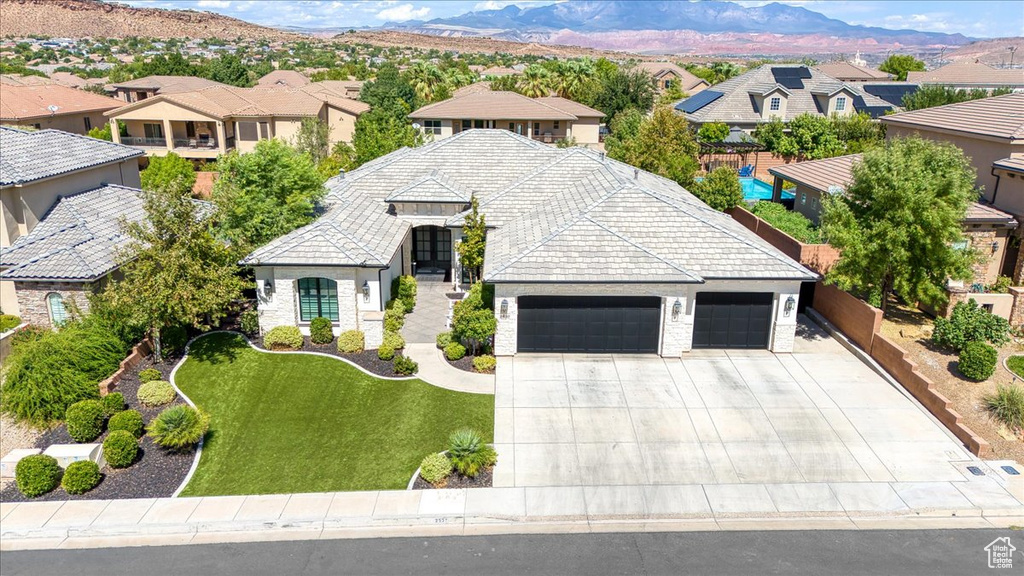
(636, 173)
(341, 174)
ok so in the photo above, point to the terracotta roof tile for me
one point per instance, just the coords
(28, 102)
(502, 105)
(998, 116)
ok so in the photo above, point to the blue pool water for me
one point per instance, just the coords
(754, 189)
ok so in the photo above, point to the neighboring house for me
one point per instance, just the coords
(283, 79)
(783, 92)
(586, 254)
(69, 79)
(212, 121)
(37, 170)
(970, 75)
(499, 71)
(987, 228)
(850, 72)
(547, 119)
(150, 86)
(340, 88)
(19, 80)
(480, 86)
(52, 106)
(665, 74)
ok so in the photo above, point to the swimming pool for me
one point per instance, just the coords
(754, 189)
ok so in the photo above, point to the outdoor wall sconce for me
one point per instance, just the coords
(995, 246)
(504, 308)
(366, 291)
(790, 304)
(268, 287)
(677, 308)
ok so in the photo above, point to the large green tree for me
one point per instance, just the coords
(663, 145)
(378, 133)
(620, 89)
(170, 171)
(931, 95)
(721, 189)
(898, 225)
(313, 138)
(899, 64)
(176, 273)
(814, 136)
(266, 193)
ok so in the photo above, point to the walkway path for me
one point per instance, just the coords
(435, 370)
(428, 319)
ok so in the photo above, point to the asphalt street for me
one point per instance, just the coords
(926, 552)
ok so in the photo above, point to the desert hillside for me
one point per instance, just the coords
(388, 38)
(89, 18)
(995, 51)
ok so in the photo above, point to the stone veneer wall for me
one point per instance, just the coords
(32, 299)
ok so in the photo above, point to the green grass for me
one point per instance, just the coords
(303, 423)
(1016, 365)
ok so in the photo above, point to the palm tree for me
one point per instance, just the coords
(536, 81)
(573, 76)
(724, 70)
(425, 79)
(456, 78)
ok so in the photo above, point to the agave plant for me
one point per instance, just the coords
(179, 427)
(468, 453)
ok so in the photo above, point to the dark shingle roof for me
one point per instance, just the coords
(30, 156)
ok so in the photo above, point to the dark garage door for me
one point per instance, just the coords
(732, 320)
(599, 324)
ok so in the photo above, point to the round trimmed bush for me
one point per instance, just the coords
(443, 340)
(978, 361)
(351, 341)
(321, 331)
(84, 420)
(386, 352)
(173, 339)
(80, 477)
(435, 468)
(283, 338)
(485, 363)
(120, 449)
(150, 374)
(129, 420)
(249, 322)
(155, 393)
(406, 366)
(454, 351)
(113, 403)
(179, 427)
(394, 316)
(37, 474)
(394, 339)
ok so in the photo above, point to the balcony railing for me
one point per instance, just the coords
(189, 143)
(144, 142)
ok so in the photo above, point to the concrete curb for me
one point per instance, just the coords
(199, 449)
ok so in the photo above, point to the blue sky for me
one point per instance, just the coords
(976, 18)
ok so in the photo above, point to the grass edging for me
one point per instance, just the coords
(1006, 365)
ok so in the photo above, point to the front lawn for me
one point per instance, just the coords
(285, 423)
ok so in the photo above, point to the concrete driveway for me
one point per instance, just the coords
(818, 415)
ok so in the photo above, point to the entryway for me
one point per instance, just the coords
(432, 251)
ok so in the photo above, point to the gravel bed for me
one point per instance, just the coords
(156, 474)
(483, 480)
(367, 359)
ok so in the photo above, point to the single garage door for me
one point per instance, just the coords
(599, 324)
(732, 320)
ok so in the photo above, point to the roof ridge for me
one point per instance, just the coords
(555, 108)
(642, 247)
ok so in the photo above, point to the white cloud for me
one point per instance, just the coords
(402, 12)
(214, 3)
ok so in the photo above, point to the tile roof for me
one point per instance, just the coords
(277, 78)
(1012, 164)
(502, 105)
(978, 212)
(687, 81)
(434, 187)
(481, 86)
(499, 71)
(998, 116)
(969, 73)
(849, 72)
(735, 106)
(30, 156)
(223, 102)
(168, 84)
(19, 80)
(19, 103)
(560, 215)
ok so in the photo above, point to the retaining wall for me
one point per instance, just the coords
(134, 358)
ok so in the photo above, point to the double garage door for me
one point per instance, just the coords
(618, 324)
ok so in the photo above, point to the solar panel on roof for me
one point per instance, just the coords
(698, 101)
(893, 94)
(791, 78)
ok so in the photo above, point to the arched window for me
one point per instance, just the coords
(55, 304)
(318, 297)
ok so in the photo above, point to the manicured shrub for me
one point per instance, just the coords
(454, 351)
(978, 361)
(80, 477)
(1007, 405)
(8, 322)
(283, 338)
(113, 403)
(436, 468)
(150, 374)
(249, 322)
(351, 341)
(85, 420)
(50, 371)
(406, 366)
(394, 339)
(394, 316)
(404, 288)
(485, 363)
(173, 339)
(791, 222)
(37, 474)
(468, 453)
(321, 331)
(386, 352)
(473, 321)
(120, 448)
(443, 340)
(970, 323)
(129, 421)
(156, 393)
(179, 427)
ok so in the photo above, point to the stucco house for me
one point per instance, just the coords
(548, 119)
(150, 86)
(783, 92)
(664, 74)
(586, 254)
(282, 79)
(969, 75)
(205, 123)
(852, 72)
(52, 106)
(59, 216)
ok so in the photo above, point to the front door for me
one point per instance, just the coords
(433, 249)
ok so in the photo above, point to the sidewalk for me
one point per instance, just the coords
(434, 369)
(173, 521)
